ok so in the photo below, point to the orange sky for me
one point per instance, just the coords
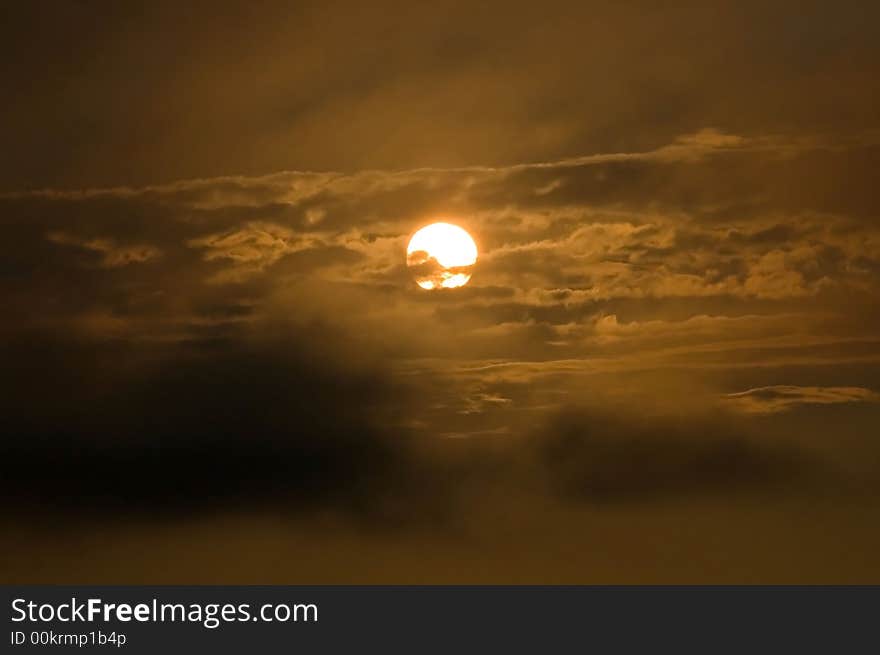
(670, 337)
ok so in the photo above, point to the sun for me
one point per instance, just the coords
(441, 256)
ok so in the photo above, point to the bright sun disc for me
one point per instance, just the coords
(441, 256)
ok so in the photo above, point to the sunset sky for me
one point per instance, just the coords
(218, 368)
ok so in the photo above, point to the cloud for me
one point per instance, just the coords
(250, 250)
(782, 398)
(598, 456)
(93, 425)
(109, 254)
(295, 420)
(698, 260)
(453, 84)
(479, 402)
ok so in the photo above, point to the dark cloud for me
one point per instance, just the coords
(600, 457)
(334, 87)
(199, 423)
(232, 421)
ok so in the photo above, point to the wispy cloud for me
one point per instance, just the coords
(781, 398)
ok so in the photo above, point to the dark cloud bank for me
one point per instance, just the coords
(104, 445)
(194, 426)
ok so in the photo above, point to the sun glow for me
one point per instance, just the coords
(441, 256)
